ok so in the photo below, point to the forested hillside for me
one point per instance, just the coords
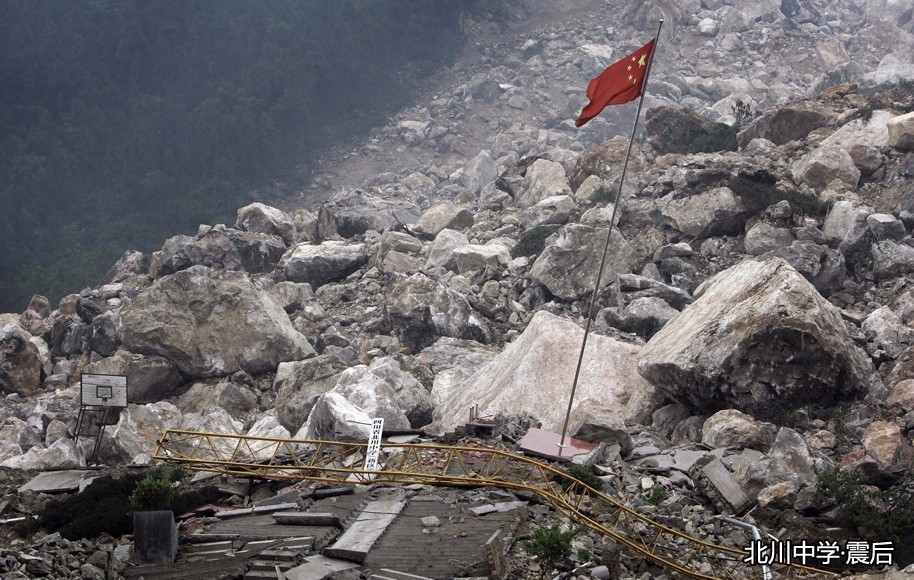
(123, 122)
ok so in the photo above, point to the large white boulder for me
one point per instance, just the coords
(534, 375)
(212, 323)
(758, 338)
(901, 131)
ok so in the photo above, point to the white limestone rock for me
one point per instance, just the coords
(534, 373)
(758, 338)
(211, 323)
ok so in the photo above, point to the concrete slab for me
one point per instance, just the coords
(58, 481)
(207, 548)
(542, 443)
(387, 574)
(319, 568)
(333, 491)
(307, 519)
(256, 527)
(728, 488)
(283, 498)
(355, 542)
(263, 509)
(401, 439)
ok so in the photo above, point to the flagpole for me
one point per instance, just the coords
(612, 220)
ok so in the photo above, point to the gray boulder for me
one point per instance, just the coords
(891, 260)
(149, 378)
(236, 399)
(410, 395)
(131, 264)
(329, 261)
(822, 266)
(543, 179)
(730, 428)
(211, 323)
(173, 257)
(334, 418)
(632, 286)
(568, 264)
(263, 219)
(137, 426)
(354, 213)
(420, 309)
(552, 210)
(215, 250)
(885, 227)
(819, 168)
(20, 359)
(62, 454)
(711, 213)
(258, 252)
(106, 338)
(840, 219)
(592, 421)
(476, 256)
(292, 296)
(479, 172)
(762, 238)
(789, 123)
(372, 395)
(443, 216)
(646, 316)
(901, 131)
(299, 384)
(758, 338)
(788, 460)
(442, 250)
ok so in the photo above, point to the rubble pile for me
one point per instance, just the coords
(755, 319)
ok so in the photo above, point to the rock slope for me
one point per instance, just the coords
(758, 297)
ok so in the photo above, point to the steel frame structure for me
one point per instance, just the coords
(340, 462)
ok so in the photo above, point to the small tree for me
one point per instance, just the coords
(153, 493)
(585, 475)
(552, 544)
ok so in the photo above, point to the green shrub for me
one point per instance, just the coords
(585, 475)
(584, 555)
(877, 512)
(154, 492)
(656, 496)
(533, 241)
(552, 544)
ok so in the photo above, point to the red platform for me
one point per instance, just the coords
(541, 443)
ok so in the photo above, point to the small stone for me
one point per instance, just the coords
(431, 522)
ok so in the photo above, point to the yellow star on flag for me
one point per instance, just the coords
(641, 62)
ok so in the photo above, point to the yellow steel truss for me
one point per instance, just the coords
(339, 462)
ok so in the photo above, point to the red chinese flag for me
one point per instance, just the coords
(620, 83)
